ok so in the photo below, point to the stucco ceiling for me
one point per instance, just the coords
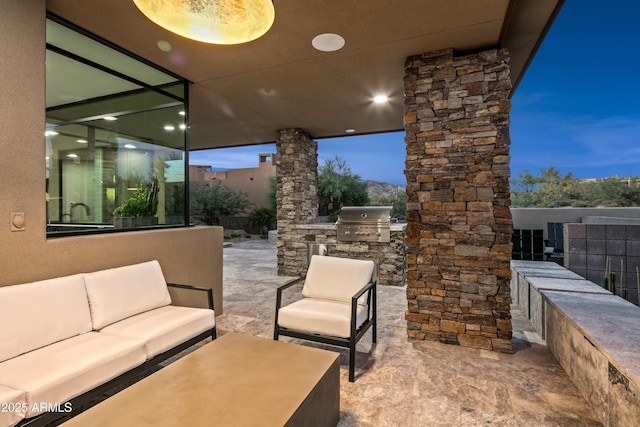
(243, 94)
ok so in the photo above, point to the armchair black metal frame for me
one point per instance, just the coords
(355, 333)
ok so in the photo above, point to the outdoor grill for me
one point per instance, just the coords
(364, 224)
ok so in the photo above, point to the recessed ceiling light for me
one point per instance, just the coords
(169, 128)
(129, 146)
(164, 46)
(50, 133)
(72, 155)
(182, 113)
(350, 130)
(110, 118)
(328, 42)
(182, 126)
(380, 99)
(266, 91)
(81, 141)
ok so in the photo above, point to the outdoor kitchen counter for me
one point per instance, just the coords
(400, 226)
(389, 256)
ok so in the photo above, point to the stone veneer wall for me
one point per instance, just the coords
(390, 257)
(459, 225)
(296, 192)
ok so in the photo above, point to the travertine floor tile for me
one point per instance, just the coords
(415, 383)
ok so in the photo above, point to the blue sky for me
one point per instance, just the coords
(577, 108)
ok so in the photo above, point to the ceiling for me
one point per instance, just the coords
(243, 94)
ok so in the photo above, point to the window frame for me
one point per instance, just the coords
(179, 80)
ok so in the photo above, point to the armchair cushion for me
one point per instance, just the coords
(336, 279)
(118, 293)
(321, 317)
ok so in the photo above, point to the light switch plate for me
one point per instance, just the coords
(17, 221)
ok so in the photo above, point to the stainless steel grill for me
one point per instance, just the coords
(364, 224)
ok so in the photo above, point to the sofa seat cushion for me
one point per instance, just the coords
(13, 406)
(164, 328)
(321, 317)
(118, 293)
(41, 313)
(337, 279)
(66, 369)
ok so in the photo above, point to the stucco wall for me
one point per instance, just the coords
(189, 255)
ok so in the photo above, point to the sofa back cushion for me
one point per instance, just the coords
(37, 314)
(336, 279)
(118, 293)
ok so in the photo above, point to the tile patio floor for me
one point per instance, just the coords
(415, 383)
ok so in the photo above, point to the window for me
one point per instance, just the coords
(114, 126)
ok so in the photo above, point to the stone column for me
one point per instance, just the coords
(459, 225)
(296, 195)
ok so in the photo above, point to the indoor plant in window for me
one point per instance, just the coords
(139, 210)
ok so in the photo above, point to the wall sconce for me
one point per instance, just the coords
(211, 21)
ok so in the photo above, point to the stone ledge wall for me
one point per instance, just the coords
(296, 190)
(390, 257)
(459, 225)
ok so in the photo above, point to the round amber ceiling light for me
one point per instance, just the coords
(211, 21)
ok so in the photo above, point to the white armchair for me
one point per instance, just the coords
(338, 304)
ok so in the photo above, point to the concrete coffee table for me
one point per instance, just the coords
(236, 380)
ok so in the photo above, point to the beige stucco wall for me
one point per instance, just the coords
(252, 181)
(187, 255)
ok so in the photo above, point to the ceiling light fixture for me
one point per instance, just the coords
(169, 128)
(350, 130)
(328, 42)
(81, 141)
(182, 126)
(110, 118)
(211, 21)
(130, 146)
(50, 133)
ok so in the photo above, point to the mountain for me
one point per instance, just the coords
(382, 189)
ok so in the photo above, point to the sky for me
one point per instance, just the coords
(577, 107)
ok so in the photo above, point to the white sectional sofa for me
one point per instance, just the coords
(64, 339)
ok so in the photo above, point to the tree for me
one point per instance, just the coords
(210, 203)
(398, 201)
(523, 189)
(266, 218)
(552, 189)
(338, 186)
(271, 193)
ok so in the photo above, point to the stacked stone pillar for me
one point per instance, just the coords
(296, 194)
(459, 226)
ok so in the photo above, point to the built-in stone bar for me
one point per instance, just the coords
(459, 225)
(389, 256)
